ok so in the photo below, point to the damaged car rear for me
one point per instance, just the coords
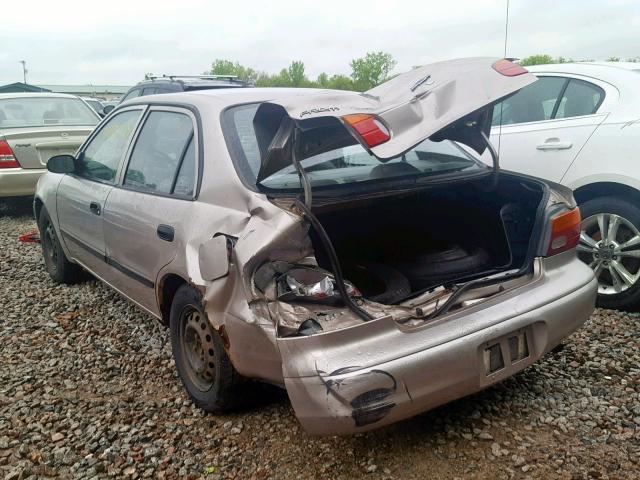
(351, 248)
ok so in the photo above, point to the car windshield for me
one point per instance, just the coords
(346, 165)
(41, 111)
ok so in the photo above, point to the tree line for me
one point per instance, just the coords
(366, 72)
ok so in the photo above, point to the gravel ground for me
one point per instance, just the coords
(88, 390)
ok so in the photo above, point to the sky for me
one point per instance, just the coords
(66, 42)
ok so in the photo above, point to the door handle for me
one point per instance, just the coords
(95, 208)
(165, 232)
(554, 144)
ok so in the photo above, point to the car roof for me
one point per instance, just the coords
(195, 82)
(225, 97)
(612, 72)
(36, 94)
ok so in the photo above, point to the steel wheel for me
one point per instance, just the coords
(50, 247)
(197, 347)
(610, 245)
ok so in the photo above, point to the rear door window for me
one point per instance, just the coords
(163, 157)
(100, 159)
(186, 179)
(579, 98)
(534, 103)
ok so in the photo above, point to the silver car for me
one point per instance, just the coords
(349, 247)
(34, 127)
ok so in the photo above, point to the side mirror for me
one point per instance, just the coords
(107, 109)
(61, 164)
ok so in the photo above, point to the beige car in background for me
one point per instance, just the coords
(349, 247)
(33, 128)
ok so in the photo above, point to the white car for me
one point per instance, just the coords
(579, 125)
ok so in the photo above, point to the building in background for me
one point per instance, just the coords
(105, 92)
(20, 87)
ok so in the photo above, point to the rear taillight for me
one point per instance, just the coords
(565, 231)
(508, 69)
(369, 127)
(7, 159)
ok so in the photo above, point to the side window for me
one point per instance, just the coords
(579, 98)
(533, 103)
(100, 159)
(158, 153)
(132, 94)
(149, 91)
(186, 179)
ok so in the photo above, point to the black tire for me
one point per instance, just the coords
(430, 269)
(218, 387)
(628, 299)
(60, 269)
(379, 283)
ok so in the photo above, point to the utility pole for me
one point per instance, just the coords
(24, 70)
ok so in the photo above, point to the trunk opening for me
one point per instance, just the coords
(396, 247)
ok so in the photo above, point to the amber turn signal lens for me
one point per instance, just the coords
(369, 127)
(565, 231)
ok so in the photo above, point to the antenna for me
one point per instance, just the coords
(24, 70)
(506, 37)
(506, 30)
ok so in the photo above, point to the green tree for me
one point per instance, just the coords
(536, 60)
(613, 59)
(371, 70)
(296, 74)
(227, 67)
(340, 82)
(323, 80)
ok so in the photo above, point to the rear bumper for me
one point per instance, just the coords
(337, 386)
(17, 182)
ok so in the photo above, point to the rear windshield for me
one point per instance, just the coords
(40, 111)
(342, 166)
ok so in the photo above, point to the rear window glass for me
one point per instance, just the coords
(41, 111)
(341, 166)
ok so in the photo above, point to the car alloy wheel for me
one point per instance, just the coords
(197, 348)
(610, 245)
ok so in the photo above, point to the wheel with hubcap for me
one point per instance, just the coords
(610, 245)
(200, 357)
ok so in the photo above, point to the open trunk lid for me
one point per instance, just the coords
(450, 100)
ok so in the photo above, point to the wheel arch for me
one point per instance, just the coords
(606, 189)
(37, 207)
(167, 288)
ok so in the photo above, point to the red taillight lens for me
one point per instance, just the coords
(7, 159)
(508, 69)
(371, 129)
(565, 231)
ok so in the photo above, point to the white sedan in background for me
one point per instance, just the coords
(579, 125)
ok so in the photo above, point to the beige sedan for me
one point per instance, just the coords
(349, 247)
(33, 128)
